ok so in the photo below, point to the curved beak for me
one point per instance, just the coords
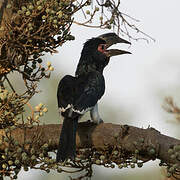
(111, 39)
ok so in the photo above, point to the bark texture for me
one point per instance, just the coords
(150, 143)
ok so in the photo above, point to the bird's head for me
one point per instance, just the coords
(103, 42)
(111, 39)
(96, 53)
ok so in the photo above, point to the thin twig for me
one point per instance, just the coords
(9, 83)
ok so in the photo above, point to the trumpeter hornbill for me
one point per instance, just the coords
(79, 94)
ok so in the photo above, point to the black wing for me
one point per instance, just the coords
(90, 93)
(80, 93)
(65, 94)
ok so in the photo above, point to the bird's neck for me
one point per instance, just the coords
(89, 63)
(84, 68)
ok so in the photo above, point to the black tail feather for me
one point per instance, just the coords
(67, 142)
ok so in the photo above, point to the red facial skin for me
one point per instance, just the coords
(102, 48)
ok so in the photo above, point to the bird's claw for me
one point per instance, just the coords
(100, 121)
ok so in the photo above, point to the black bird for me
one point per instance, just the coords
(79, 94)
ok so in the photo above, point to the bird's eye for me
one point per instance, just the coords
(103, 47)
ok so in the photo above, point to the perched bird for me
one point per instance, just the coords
(79, 94)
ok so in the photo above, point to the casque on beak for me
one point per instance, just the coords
(111, 39)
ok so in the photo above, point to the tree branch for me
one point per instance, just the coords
(150, 143)
(2, 7)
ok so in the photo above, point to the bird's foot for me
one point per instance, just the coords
(95, 122)
(99, 121)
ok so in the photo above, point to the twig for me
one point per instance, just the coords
(9, 83)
